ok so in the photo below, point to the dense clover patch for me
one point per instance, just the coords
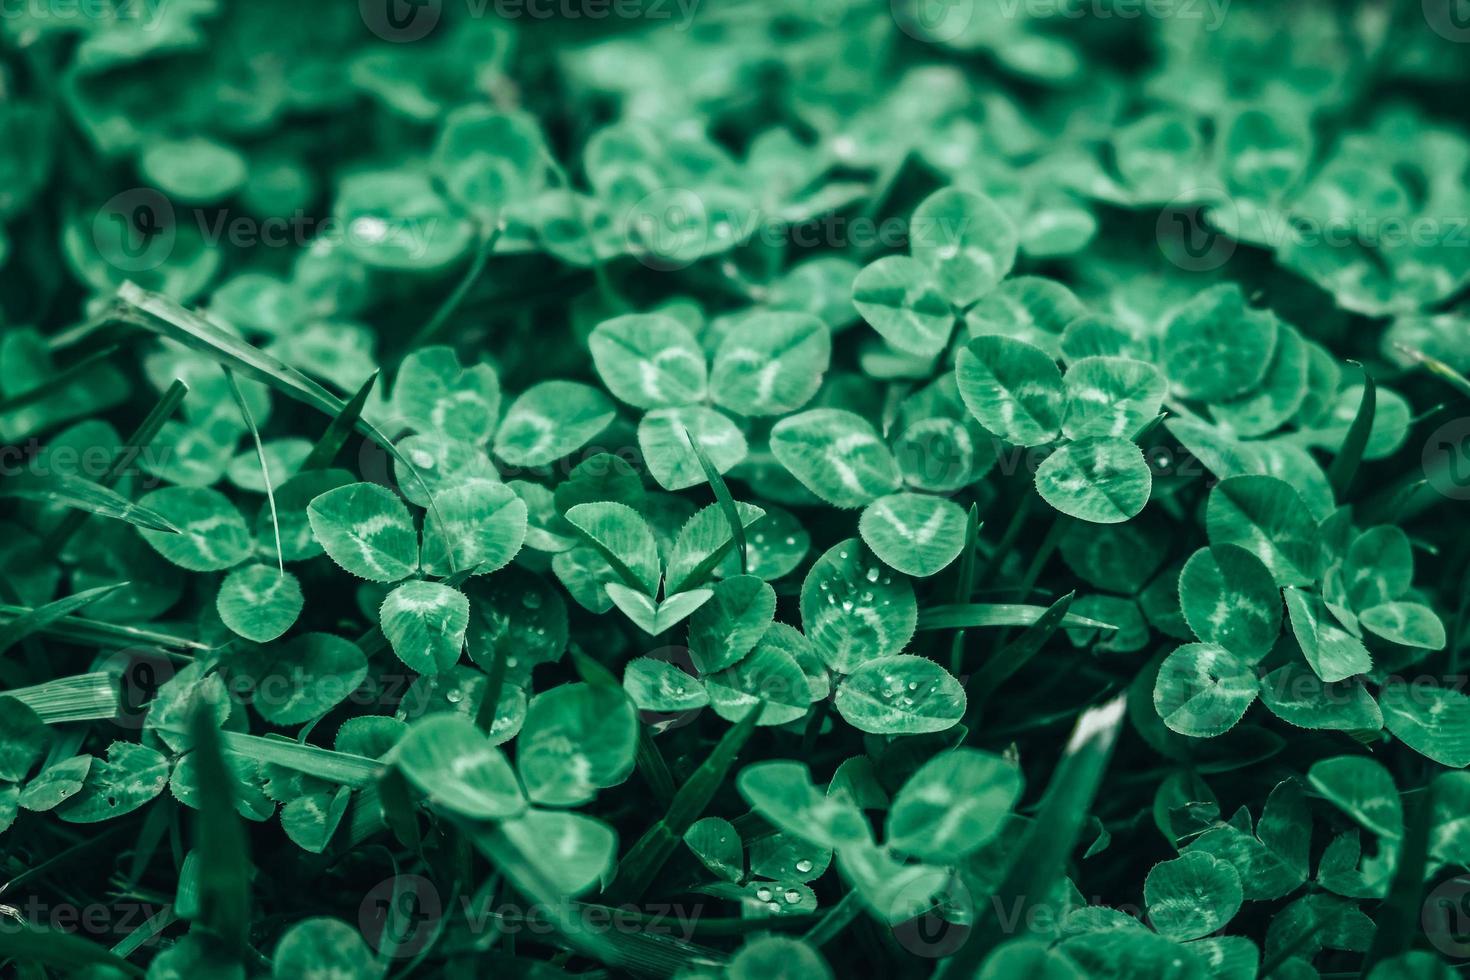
(812, 490)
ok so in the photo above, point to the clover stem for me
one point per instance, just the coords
(1009, 536)
(838, 918)
(814, 726)
(451, 303)
(494, 683)
(964, 587)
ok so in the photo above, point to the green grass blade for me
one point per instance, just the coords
(964, 586)
(1439, 369)
(722, 495)
(1398, 918)
(978, 614)
(1303, 935)
(224, 863)
(57, 381)
(1011, 534)
(1006, 661)
(84, 697)
(142, 935)
(333, 767)
(1146, 429)
(882, 187)
(452, 302)
(77, 493)
(593, 672)
(649, 761)
(836, 919)
(1350, 456)
(565, 916)
(42, 616)
(87, 632)
(140, 439)
(701, 572)
(646, 951)
(64, 951)
(647, 857)
(1044, 551)
(265, 468)
(494, 685)
(167, 318)
(339, 429)
(393, 793)
(1038, 863)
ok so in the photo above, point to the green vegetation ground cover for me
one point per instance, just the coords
(747, 490)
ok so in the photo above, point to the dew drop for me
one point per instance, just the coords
(454, 696)
(370, 228)
(803, 865)
(873, 574)
(764, 894)
(792, 896)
